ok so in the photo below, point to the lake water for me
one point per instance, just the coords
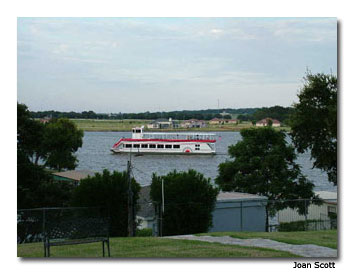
(95, 155)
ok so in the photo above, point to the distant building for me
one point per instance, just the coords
(45, 120)
(264, 122)
(217, 121)
(324, 213)
(193, 123)
(163, 123)
(231, 121)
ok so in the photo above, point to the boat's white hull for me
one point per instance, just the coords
(202, 148)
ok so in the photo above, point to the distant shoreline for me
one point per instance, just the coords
(92, 125)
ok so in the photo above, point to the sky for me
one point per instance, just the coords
(112, 65)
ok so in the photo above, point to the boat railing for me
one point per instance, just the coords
(182, 136)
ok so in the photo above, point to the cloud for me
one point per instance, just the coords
(184, 55)
(216, 31)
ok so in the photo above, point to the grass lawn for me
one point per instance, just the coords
(108, 125)
(326, 238)
(151, 247)
(127, 125)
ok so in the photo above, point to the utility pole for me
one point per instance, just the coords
(163, 197)
(162, 209)
(130, 203)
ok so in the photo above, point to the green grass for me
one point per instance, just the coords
(108, 125)
(127, 125)
(151, 247)
(327, 238)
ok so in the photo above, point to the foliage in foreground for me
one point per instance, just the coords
(314, 122)
(52, 144)
(189, 201)
(144, 232)
(40, 146)
(36, 188)
(108, 190)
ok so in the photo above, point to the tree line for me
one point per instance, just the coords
(207, 114)
(243, 114)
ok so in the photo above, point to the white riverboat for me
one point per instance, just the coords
(166, 143)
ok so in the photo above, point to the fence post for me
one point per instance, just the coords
(241, 216)
(43, 233)
(161, 224)
(305, 203)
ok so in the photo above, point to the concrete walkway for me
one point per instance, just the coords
(308, 250)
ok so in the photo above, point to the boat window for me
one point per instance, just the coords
(144, 145)
(160, 146)
(197, 147)
(168, 146)
(176, 146)
(138, 131)
(152, 146)
(136, 145)
(128, 145)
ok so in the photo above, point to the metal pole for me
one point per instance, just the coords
(43, 233)
(163, 197)
(241, 217)
(305, 214)
(130, 204)
(160, 221)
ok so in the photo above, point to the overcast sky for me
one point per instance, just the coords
(162, 64)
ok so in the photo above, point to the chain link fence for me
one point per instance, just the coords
(257, 216)
(302, 215)
(34, 225)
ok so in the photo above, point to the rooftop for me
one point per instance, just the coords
(75, 175)
(327, 195)
(265, 120)
(233, 196)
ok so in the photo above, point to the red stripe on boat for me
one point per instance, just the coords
(165, 140)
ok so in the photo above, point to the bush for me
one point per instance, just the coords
(145, 232)
(189, 201)
(111, 192)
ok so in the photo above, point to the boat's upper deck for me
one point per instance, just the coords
(137, 133)
(180, 136)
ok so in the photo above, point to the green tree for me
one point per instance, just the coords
(61, 140)
(35, 187)
(264, 164)
(108, 190)
(276, 112)
(314, 122)
(189, 201)
(29, 133)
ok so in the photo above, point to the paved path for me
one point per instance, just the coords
(308, 250)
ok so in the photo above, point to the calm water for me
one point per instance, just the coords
(95, 155)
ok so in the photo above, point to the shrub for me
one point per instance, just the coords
(145, 232)
(109, 191)
(189, 201)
